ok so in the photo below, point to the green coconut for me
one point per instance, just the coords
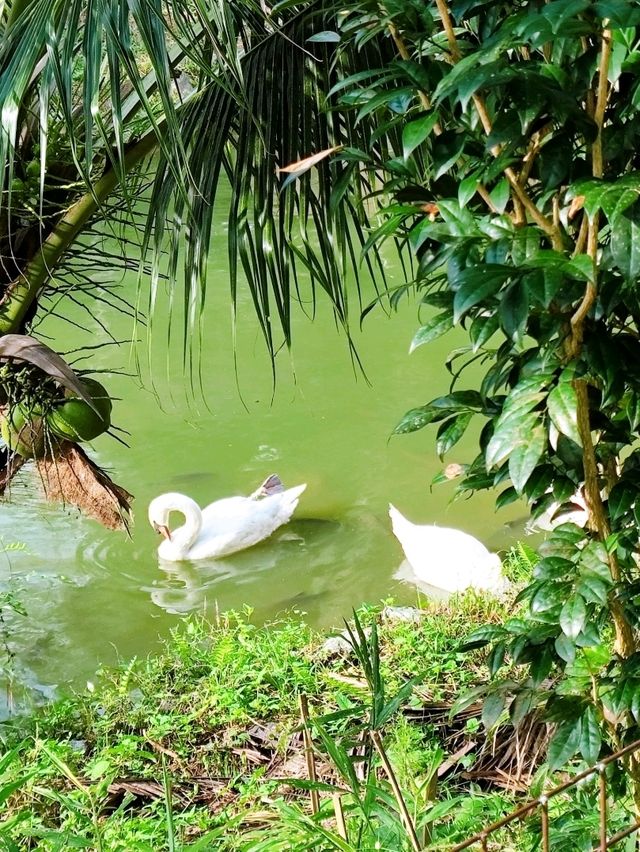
(23, 432)
(75, 420)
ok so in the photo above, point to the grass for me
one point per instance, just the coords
(201, 746)
(220, 703)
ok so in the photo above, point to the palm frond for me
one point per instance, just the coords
(290, 238)
(86, 85)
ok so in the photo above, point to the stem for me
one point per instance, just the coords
(397, 792)
(447, 23)
(601, 104)
(404, 53)
(598, 520)
(340, 820)
(308, 753)
(425, 100)
(24, 290)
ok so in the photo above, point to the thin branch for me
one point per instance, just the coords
(308, 753)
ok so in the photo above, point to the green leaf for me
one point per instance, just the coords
(436, 327)
(492, 708)
(415, 132)
(446, 150)
(514, 310)
(482, 329)
(506, 497)
(564, 743)
(482, 636)
(594, 558)
(495, 660)
(592, 589)
(565, 648)
(467, 189)
(476, 283)
(326, 36)
(541, 666)
(524, 459)
(513, 430)
(522, 704)
(562, 404)
(450, 432)
(414, 419)
(625, 242)
(548, 596)
(590, 736)
(573, 616)
(553, 568)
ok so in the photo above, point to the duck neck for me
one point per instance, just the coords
(184, 536)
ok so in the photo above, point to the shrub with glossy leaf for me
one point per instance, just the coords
(516, 190)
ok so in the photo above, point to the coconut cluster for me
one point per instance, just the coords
(37, 413)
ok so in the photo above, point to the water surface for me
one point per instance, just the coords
(93, 594)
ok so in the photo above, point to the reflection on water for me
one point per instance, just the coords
(406, 573)
(306, 554)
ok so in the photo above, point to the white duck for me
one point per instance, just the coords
(225, 526)
(448, 559)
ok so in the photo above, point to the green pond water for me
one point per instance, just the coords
(92, 595)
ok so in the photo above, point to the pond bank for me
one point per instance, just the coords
(200, 747)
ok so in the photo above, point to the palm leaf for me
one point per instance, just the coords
(259, 104)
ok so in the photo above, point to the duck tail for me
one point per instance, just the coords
(398, 520)
(290, 499)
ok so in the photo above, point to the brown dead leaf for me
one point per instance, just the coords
(576, 205)
(71, 477)
(22, 347)
(301, 166)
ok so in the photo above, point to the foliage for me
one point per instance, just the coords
(516, 193)
(188, 711)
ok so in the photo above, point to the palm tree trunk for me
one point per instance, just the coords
(25, 289)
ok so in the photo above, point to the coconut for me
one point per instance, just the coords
(75, 420)
(23, 432)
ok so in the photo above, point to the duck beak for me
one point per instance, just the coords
(164, 531)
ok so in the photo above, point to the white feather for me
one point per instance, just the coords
(446, 558)
(223, 527)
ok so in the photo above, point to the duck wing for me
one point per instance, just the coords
(235, 523)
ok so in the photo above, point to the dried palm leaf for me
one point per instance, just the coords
(71, 477)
